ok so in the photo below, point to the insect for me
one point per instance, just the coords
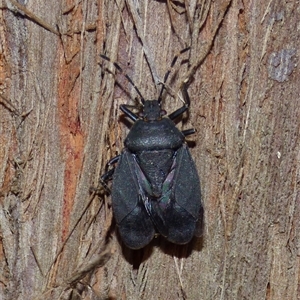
(155, 187)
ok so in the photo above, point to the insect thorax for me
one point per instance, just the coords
(156, 135)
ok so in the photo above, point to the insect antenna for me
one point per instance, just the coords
(169, 71)
(125, 75)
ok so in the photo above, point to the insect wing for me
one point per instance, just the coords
(176, 214)
(135, 226)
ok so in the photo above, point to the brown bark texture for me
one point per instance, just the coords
(60, 123)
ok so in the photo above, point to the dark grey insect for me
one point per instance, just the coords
(155, 186)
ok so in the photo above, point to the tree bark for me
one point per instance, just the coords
(61, 123)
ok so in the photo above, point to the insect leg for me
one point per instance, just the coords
(109, 174)
(188, 131)
(185, 107)
(128, 112)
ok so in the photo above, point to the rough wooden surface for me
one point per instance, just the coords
(60, 124)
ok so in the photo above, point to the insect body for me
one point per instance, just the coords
(155, 183)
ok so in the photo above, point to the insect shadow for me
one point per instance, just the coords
(155, 184)
(138, 256)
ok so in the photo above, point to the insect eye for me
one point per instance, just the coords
(163, 113)
(141, 114)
